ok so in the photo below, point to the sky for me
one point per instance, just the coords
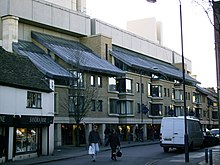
(198, 32)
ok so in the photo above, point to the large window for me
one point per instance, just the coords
(196, 98)
(113, 106)
(178, 94)
(156, 90)
(178, 111)
(112, 83)
(124, 85)
(76, 103)
(33, 100)
(78, 79)
(126, 107)
(26, 139)
(156, 109)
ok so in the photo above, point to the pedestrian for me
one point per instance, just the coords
(94, 141)
(114, 142)
(107, 133)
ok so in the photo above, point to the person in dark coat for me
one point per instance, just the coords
(94, 141)
(114, 143)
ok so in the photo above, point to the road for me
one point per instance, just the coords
(139, 155)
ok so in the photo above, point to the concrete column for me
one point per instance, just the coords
(9, 32)
(145, 131)
(10, 143)
(102, 133)
(58, 135)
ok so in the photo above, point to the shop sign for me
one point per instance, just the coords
(37, 120)
(6, 119)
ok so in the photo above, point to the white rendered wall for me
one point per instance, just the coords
(13, 101)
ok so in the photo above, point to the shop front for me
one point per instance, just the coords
(5, 122)
(31, 136)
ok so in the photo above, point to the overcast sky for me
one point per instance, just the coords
(198, 33)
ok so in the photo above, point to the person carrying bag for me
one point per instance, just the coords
(114, 143)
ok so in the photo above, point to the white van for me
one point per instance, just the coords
(172, 133)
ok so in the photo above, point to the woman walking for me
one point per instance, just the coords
(114, 143)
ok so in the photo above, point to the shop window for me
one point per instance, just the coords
(26, 140)
(33, 100)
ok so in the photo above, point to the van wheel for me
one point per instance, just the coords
(166, 149)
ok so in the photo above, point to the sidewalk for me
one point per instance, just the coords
(67, 152)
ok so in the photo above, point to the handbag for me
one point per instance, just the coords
(118, 153)
(91, 150)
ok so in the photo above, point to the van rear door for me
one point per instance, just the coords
(178, 131)
(167, 131)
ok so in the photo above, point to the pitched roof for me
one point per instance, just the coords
(76, 54)
(139, 61)
(19, 72)
(43, 62)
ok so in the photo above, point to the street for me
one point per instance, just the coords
(138, 155)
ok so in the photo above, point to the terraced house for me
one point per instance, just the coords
(102, 75)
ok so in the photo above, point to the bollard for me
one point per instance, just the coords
(210, 157)
(206, 155)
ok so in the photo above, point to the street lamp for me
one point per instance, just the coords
(184, 88)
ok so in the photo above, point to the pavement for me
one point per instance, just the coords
(67, 152)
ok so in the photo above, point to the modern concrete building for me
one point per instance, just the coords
(136, 81)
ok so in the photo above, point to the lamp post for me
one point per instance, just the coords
(184, 88)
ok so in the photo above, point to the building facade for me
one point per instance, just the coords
(130, 82)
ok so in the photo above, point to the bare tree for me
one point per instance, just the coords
(81, 94)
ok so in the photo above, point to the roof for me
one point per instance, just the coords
(41, 60)
(76, 54)
(139, 61)
(19, 72)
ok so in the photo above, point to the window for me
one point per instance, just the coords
(78, 80)
(76, 104)
(113, 106)
(178, 94)
(33, 100)
(149, 89)
(165, 92)
(138, 108)
(26, 140)
(168, 92)
(99, 81)
(137, 87)
(196, 97)
(156, 90)
(93, 105)
(156, 109)
(112, 83)
(126, 107)
(100, 105)
(56, 102)
(92, 80)
(165, 111)
(179, 111)
(124, 85)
